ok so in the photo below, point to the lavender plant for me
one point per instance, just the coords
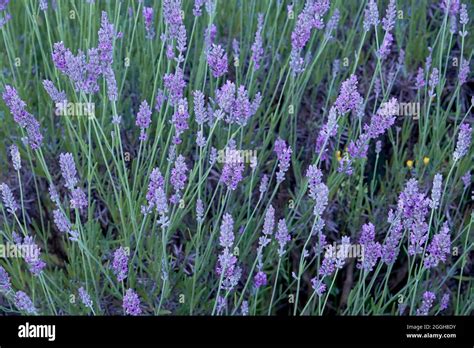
(292, 158)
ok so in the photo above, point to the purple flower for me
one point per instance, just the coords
(106, 42)
(390, 248)
(200, 112)
(378, 147)
(175, 85)
(433, 82)
(8, 199)
(178, 178)
(257, 46)
(464, 141)
(131, 303)
(43, 5)
(444, 303)
(318, 286)
(371, 17)
(23, 118)
(5, 285)
(384, 49)
(217, 60)
(426, 304)
(78, 199)
(389, 20)
(450, 6)
(436, 191)
(180, 119)
(332, 24)
(420, 80)
(156, 195)
(24, 303)
(143, 119)
(413, 208)
(221, 305)
(349, 98)
(53, 194)
(463, 71)
(379, 124)
(282, 236)
(238, 108)
(4, 4)
(120, 264)
(148, 18)
(197, 11)
(309, 18)
(85, 298)
(328, 265)
(199, 211)
(263, 185)
(209, 36)
(63, 224)
(327, 131)
(15, 155)
(318, 191)
(372, 249)
(106, 35)
(463, 15)
(244, 309)
(172, 17)
(68, 170)
(283, 153)
(33, 251)
(56, 96)
(268, 226)
(438, 248)
(227, 262)
(260, 279)
(226, 239)
(232, 171)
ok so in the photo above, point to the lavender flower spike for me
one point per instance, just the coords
(283, 153)
(5, 285)
(131, 303)
(8, 200)
(439, 247)
(426, 304)
(56, 96)
(217, 60)
(282, 237)
(15, 155)
(24, 303)
(85, 298)
(22, 117)
(120, 264)
(436, 191)
(372, 249)
(464, 141)
(371, 17)
(143, 119)
(68, 170)
(257, 46)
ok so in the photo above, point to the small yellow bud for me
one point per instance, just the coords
(426, 160)
(410, 164)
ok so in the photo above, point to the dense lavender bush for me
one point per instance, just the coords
(215, 157)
